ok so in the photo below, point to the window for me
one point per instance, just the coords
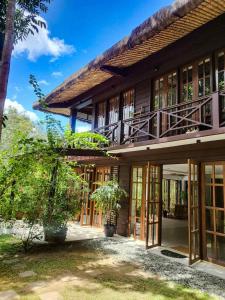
(204, 77)
(158, 94)
(113, 110)
(128, 104)
(220, 81)
(128, 110)
(101, 115)
(187, 84)
(172, 89)
(220, 62)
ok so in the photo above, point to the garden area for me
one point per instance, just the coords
(83, 270)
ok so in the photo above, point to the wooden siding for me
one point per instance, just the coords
(142, 95)
(124, 181)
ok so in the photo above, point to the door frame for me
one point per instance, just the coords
(157, 224)
(204, 230)
(143, 212)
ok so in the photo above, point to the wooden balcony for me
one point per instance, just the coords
(176, 122)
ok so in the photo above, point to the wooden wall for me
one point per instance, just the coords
(123, 218)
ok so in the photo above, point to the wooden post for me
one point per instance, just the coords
(215, 110)
(158, 129)
(73, 120)
(119, 132)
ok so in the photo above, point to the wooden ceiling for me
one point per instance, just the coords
(162, 29)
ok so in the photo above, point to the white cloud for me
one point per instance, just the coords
(21, 110)
(42, 43)
(43, 82)
(82, 127)
(56, 74)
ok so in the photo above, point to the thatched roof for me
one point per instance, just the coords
(160, 30)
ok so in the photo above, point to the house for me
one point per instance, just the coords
(158, 96)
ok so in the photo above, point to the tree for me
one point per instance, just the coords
(18, 18)
(15, 124)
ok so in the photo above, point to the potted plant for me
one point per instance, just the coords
(63, 202)
(107, 197)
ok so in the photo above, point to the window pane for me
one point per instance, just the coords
(209, 219)
(208, 195)
(219, 174)
(210, 245)
(220, 221)
(207, 67)
(207, 86)
(220, 241)
(221, 61)
(208, 174)
(200, 87)
(221, 80)
(200, 70)
(219, 197)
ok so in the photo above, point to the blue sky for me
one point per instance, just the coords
(78, 31)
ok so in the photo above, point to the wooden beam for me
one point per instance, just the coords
(81, 152)
(123, 72)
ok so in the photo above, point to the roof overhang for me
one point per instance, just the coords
(162, 29)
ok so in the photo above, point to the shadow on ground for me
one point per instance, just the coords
(75, 269)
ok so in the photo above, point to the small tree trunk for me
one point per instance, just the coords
(6, 56)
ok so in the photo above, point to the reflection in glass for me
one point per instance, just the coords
(209, 219)
(219, 174)
(220, 221)
(219, 197)
(210, 244)
(220, 241)
(208, 174)
(208, 195)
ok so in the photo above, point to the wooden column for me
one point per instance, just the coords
(215, 110)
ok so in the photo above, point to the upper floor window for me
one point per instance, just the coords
(113, 110)
(101, 115)
(172, 89)
(204, 77)
(187, 83)
(128, 104)
(220, 63)
(158, 93)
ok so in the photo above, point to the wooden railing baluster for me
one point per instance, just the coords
(200, 114)
(215, 110)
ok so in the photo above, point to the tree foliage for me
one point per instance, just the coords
(26, 17)
(15, 123)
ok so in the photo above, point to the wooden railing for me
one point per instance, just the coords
(202, 114)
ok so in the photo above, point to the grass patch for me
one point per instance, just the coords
(77, 272)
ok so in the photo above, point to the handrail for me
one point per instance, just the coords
(202, 113)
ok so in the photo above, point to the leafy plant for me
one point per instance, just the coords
(107, 198)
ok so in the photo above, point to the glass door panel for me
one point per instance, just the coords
(213, 198)
(193, 212)
(137, 213)
(86, 201)
(154, 205)
(102, 175)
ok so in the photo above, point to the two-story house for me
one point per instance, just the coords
(158, 96)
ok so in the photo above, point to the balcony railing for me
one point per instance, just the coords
(202, 114)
